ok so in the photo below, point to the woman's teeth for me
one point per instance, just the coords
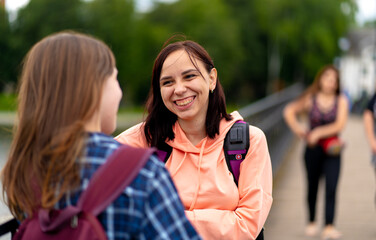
(184, 101)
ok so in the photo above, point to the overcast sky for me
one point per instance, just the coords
(367, 8)
(13, 5)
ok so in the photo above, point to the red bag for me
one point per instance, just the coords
(80, 222)
(332, 145)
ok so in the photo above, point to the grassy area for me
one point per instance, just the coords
(131, 109)
(8, 102)
(230, 108)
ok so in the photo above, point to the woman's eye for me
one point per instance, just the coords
(189, 76)
(166, 82)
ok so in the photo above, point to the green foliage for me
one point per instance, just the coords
(8, 102)
(256, 44)
(36, 20)
(7, 56)
(306, 32)
(42, 17)
(370, 24)
(113, 22)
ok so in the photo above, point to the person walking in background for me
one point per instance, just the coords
(187, 114)
(68, 102)
(369, 118)
(327, 111)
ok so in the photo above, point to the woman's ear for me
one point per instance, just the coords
(213, 78)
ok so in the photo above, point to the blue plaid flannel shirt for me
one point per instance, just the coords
(149, 208)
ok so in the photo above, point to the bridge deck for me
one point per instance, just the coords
(356, 209)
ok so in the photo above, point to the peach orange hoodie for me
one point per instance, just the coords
(214, 204)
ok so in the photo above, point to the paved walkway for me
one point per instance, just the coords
(356, 211)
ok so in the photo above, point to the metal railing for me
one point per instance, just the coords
(267, 114)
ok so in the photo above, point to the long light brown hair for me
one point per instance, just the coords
(60, 90)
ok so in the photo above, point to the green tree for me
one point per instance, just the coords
(370, 24)
(305, 34)
(148, 40)
(114, 21)
(36, 20)
(40, 18)
(6, 50)
(252, 70)
(289, 40)
(254, 43)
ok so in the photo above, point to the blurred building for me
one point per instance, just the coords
(2, 3)
(358, 66)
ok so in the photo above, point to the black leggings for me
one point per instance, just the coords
(317, 164)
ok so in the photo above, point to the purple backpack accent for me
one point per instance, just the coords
(235, 168)
(234, 152)
(161, 154)
(236, 146)
(241, 121)
(80, 222)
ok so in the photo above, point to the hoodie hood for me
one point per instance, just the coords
(182, 143)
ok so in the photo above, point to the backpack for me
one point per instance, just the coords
(80, 222)
(235, 147)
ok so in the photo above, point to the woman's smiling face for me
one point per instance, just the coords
(185, 88)
(329, 82)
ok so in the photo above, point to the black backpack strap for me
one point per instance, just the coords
(261, 235)
(9, 226)
(236, 146)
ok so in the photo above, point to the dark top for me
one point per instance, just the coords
(319, 118)
(371, 105)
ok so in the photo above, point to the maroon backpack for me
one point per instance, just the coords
(80, 222)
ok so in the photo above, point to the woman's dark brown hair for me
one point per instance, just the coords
(60, 90)
(159, 122)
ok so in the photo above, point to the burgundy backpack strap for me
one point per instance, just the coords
(111, 179)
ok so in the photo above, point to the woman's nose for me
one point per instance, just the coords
(180, 88)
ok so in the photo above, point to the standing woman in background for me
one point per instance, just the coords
(187, 114)
(327, 111)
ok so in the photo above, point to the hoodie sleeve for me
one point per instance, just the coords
(255, 198)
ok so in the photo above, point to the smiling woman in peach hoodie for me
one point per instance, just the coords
(187, 111)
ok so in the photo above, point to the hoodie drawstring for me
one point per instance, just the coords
(199, 175)
(181, 163)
